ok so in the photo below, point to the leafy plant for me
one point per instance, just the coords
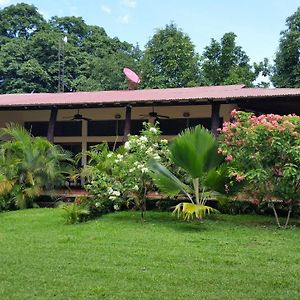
(195, 151)
(74, 213)
(30, 165)
(122, 177)
(265, 152)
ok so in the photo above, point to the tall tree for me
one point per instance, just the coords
(170, 60)
(20, 20)
(286, 71)
(226, 63)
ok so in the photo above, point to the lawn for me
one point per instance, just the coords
(117, 257)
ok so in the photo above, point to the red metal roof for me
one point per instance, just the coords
(216, 93)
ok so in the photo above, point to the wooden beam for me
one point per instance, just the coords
(127, 123)
(215, 118)
(51, 125)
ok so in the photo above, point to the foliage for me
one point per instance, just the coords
(30, 165)
(123, 175)
(30, 48)
(226, 63)
(170, 60)
(286, 71)
(195, 151)
(75, 213)
(265, 151)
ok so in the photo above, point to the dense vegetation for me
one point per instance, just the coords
(34, 52)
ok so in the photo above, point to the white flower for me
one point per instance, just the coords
(127, 145)
(136, 163)
(119, 156)
(156, 156)
(164, 141)
(116, 207)
(143, 139)
(136, 188)
(110, 191)
(144, 170)
(116, 193)
(109, 155)
(131, 170)
(153, 129)
(97, 204)
(112, 197)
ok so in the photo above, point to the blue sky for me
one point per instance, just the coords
(257, 23)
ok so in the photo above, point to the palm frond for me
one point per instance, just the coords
(168, 182)
(195, 150)
(190, 210)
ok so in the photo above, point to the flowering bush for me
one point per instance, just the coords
(122, 176)
(264, 151)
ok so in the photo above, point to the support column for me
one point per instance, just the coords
(215, 118)
(127, 123)
(51, 125)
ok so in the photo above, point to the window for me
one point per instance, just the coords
(62, 128)
(113, 127)
(175, 126)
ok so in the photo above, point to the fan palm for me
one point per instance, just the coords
(195, 150)
(30, 164)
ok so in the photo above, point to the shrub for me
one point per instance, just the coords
(29, 165)
(264, 151)
(122, 177)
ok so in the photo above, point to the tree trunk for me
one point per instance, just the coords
(275, 214)
(288, 216)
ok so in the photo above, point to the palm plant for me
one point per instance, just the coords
(30, 165)
(195, 151)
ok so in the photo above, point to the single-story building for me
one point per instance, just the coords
(80, 119)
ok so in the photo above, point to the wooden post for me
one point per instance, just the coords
(215, 118)
(127, 123)
(51, 125)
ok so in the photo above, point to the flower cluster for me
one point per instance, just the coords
(264, 150)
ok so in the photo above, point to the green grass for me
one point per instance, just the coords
(117, 257)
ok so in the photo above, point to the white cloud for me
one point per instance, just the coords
(124, 19)
(129, 3)
(4, 2)
(106, 9)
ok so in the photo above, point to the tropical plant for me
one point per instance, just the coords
(75, 213)
(195, 150)
(29, 165)
(122, 176)
(264, 151)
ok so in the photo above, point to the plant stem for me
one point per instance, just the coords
(196, 189)
(288, 216)
(275, 214)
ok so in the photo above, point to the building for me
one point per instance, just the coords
(81, 119)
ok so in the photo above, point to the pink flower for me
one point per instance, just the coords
(229, 157)
(233, 113)
(239, 178)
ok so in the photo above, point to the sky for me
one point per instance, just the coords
(257, 23)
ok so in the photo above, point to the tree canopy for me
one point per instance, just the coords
(30, 47)
(226, 63)
(287, 60)
(170, 60)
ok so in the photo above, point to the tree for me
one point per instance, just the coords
(30, 165)
(286, 72)
(226, 63)
(170, 60)
(20, 20)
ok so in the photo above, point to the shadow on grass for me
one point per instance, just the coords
(155, 218)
